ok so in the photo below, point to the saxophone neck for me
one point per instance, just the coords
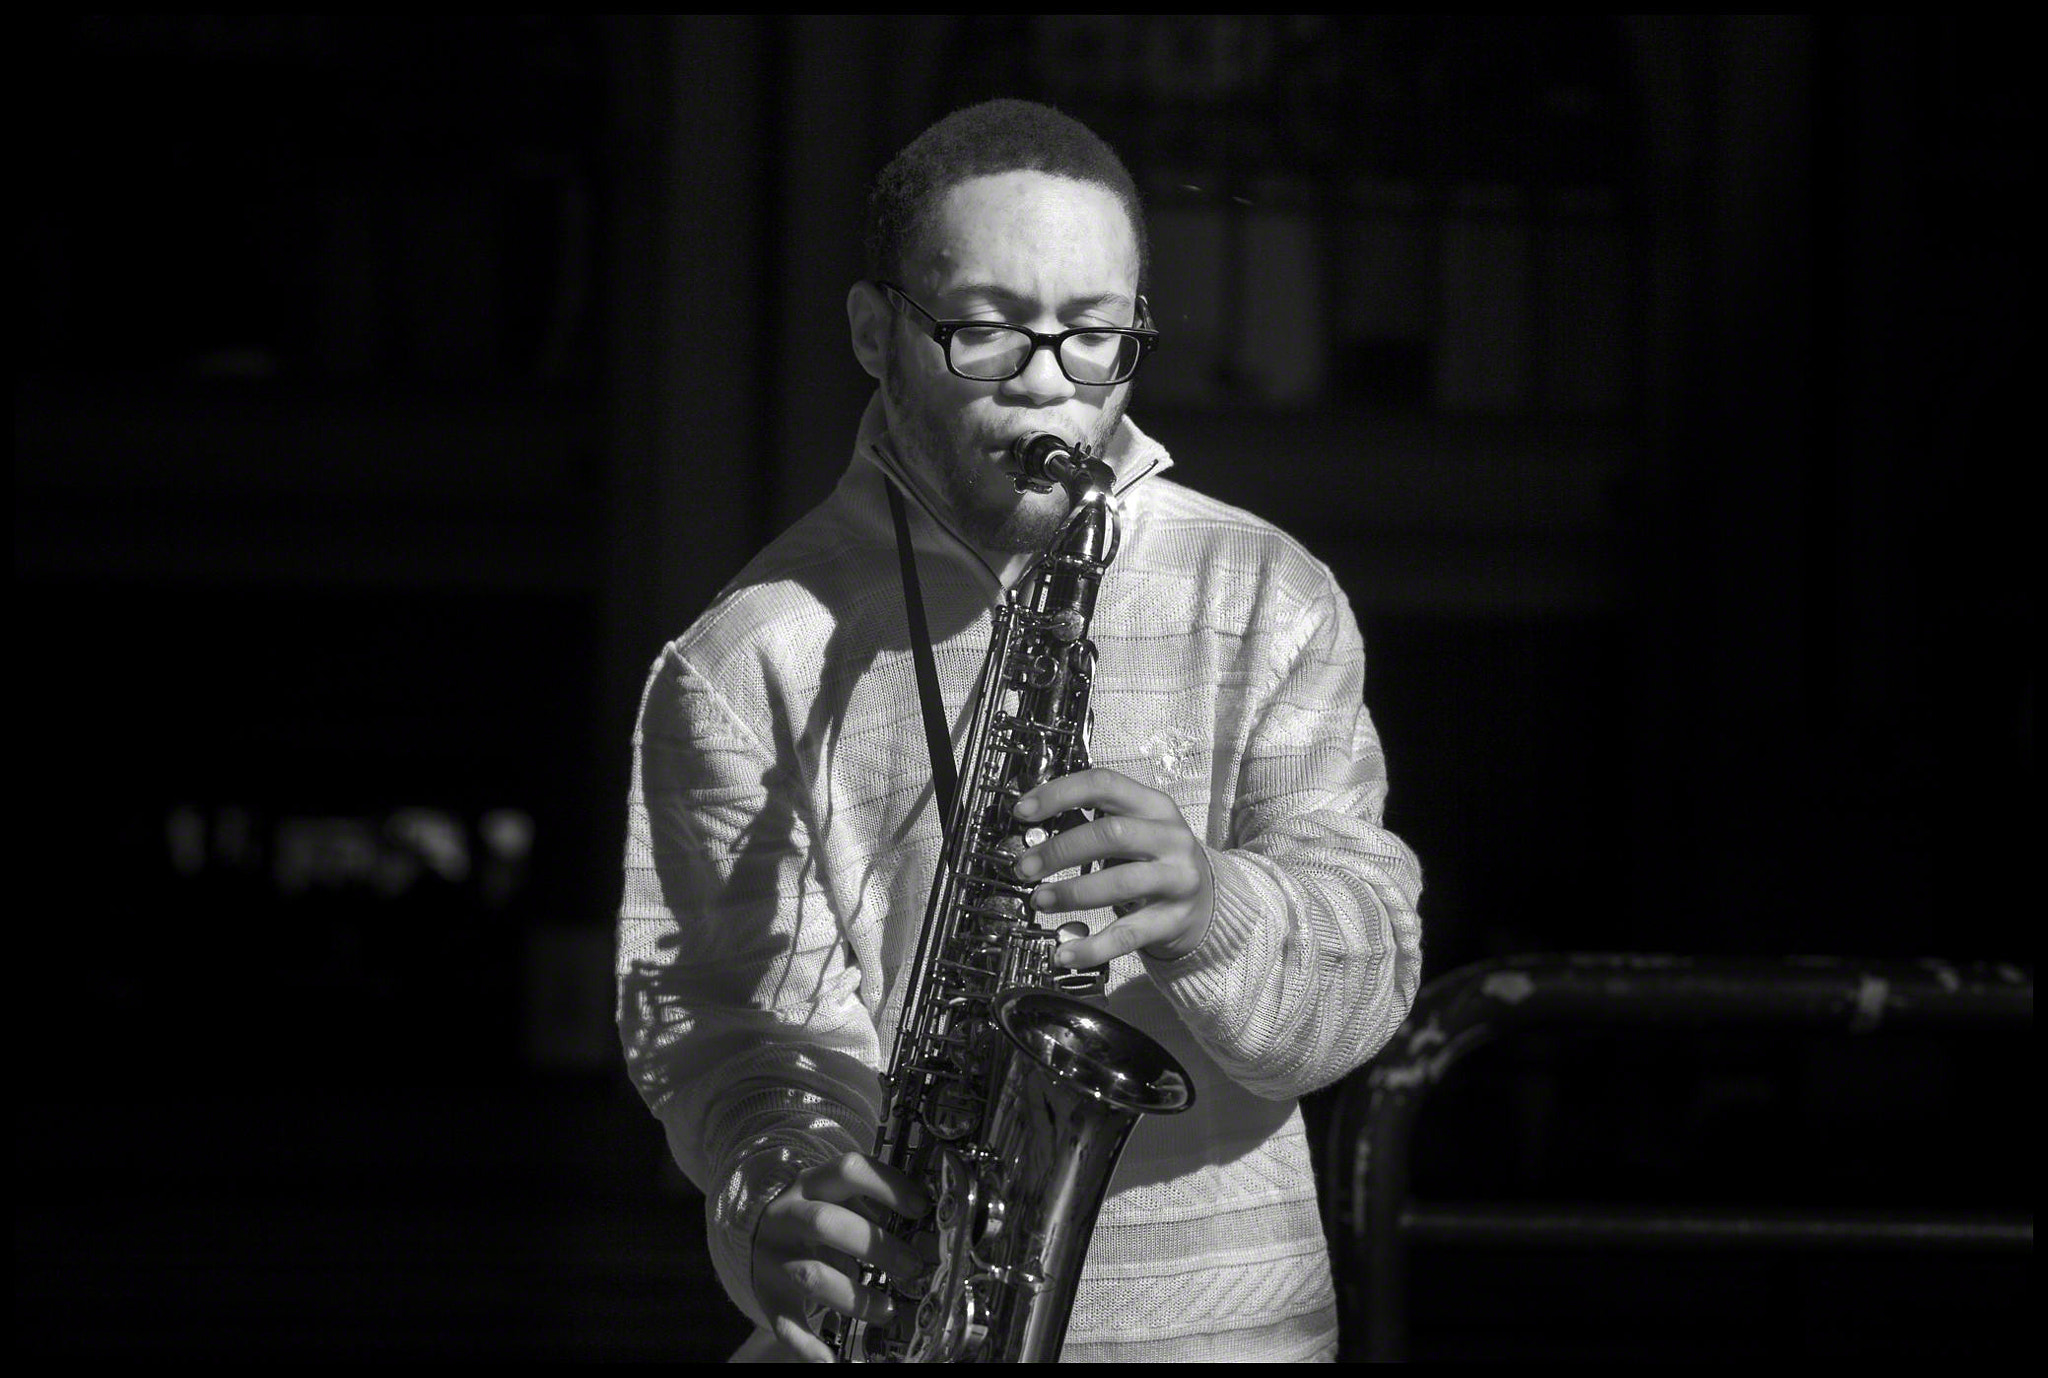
(1094, 526)
(1092, 529)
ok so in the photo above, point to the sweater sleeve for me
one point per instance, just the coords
(738, 1010)
(1314, 949)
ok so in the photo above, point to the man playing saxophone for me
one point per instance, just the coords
(1253, 916)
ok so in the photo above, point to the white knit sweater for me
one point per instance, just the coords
(782, 839)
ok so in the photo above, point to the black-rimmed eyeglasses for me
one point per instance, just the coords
(988, 352)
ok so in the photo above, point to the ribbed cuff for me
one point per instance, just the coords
(731, 1217)
(1202, 980)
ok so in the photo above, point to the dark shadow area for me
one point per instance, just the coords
(1761, 1158)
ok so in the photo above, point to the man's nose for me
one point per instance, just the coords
(1042, 381)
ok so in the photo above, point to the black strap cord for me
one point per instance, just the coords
(938, 738)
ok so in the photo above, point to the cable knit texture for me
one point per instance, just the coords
(782, 840)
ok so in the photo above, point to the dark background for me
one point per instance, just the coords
(388, 391)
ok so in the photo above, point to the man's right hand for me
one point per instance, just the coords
(812, 1238)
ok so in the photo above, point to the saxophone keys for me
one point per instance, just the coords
(1092, 984)
(1067, 625)
(1082, 981)
(1015, 1275)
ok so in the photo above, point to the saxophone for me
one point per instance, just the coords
(1008, 1095)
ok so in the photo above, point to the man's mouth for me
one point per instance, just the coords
(1003, 449)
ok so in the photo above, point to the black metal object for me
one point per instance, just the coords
(1374, 1221)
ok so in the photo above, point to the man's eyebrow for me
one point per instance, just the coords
(1005, 297)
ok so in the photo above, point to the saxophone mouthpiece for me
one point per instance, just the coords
(1044, 459)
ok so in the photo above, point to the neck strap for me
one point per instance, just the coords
(938, 738)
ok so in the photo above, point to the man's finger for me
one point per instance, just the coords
(1110, 838)
(813, 1283)
(1095, 788)
(801, 1342)
(854, 1175)
(1140, 928)
(1136, 880)
(856, 1237)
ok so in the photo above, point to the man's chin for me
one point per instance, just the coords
(1022, 526)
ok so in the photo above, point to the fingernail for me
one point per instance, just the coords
(1064, 954)
(1028, 866)
(1026, 808)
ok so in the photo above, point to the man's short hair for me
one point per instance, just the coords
(980, 141)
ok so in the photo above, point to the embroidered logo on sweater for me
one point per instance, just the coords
(1175, 753)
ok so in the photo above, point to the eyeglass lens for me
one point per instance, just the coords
(995, 352)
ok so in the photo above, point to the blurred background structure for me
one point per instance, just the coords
(389, 390)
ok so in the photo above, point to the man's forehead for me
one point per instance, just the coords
(1031, 226)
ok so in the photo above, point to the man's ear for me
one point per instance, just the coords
(868, 318)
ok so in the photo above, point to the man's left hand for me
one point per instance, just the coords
(1155, 875)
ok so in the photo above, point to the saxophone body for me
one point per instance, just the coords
(1008, 1094)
